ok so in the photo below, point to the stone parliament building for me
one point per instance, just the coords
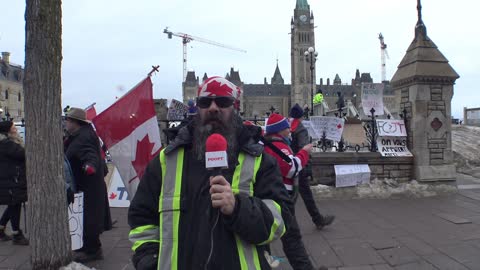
(11, 89)
(257, 99)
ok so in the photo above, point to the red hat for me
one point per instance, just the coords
(218, 87)
(276, 123)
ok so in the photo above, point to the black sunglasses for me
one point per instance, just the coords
(222, 102)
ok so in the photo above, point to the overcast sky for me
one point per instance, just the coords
(109, 46)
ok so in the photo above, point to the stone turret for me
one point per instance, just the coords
(424, 83)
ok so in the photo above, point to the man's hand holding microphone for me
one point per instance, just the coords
(220, 189)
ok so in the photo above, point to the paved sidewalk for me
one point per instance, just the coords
(428, 233)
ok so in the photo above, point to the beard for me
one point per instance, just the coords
(203, 128)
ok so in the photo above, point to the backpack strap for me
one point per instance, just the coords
(275, 149)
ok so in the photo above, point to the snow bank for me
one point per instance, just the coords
(377, 189)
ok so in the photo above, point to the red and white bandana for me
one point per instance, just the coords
(218, 87)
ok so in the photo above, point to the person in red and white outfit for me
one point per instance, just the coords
(277, 144)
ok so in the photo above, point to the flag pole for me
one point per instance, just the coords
(91, 105)
(154, 69)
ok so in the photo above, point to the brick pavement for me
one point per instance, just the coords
(427, 233)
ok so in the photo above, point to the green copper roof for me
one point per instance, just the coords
(302, 4)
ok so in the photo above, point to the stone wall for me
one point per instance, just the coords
(396, 168)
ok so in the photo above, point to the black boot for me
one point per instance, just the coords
(87, 256)
(4, 236)
(326, 220)
(19, 239)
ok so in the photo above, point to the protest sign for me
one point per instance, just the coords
(177, 110)
(75, 221)
(393, 147)
(311, 131)
(351, 175)
(372, 97)
(391, 128)
(332, 126)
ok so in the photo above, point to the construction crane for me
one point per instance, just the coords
(186, 38)
(384, 55)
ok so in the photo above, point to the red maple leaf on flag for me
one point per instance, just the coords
(143, 155)
(112, 196)
(339, 126)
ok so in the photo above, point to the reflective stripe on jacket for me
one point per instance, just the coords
(166, 234)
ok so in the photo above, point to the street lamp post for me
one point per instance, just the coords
(311, 56)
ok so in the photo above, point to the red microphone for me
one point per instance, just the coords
(216, 153)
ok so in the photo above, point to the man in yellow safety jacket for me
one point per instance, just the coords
(182, 217)
(318, 98)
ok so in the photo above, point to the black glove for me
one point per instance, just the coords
(148, 262)
(70, 196)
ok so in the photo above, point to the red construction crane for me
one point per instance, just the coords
(186, 38)
(384, 54)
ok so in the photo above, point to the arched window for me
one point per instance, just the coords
(19, 96)
(6, 94)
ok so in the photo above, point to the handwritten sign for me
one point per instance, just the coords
(176, 110)
(393, 147)
(311, 131)
(75, 221)
(351, 175)
(372, 97)
(117, 192)
(391, 128)
(332, 126)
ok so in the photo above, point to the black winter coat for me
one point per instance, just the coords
(249, 219)
(83, 148)
(13, 183)
(300, 138)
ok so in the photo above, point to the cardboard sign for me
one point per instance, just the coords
(393, 147)
(372, 97)
(176, 110)
(391, 128)
(75, 221)
(117, 192)
(332, 126)
(351, 175)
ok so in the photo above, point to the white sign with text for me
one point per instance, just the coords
(332, 126)
(177, 110)
(391, 128)
(351, 175)
(393, 147)
(75, 221)
(372, 97)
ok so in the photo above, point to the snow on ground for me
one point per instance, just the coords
(76, 266)
(377, 189)
(466, 149)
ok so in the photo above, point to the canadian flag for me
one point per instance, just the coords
(129, 129)
(91, 112)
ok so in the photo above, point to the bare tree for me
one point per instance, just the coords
(47, 215)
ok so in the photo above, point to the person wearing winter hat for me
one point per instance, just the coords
(301, 138)
(192, 109)
(82, 149)
(277, 144)
(245, 203)
(13, 182)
